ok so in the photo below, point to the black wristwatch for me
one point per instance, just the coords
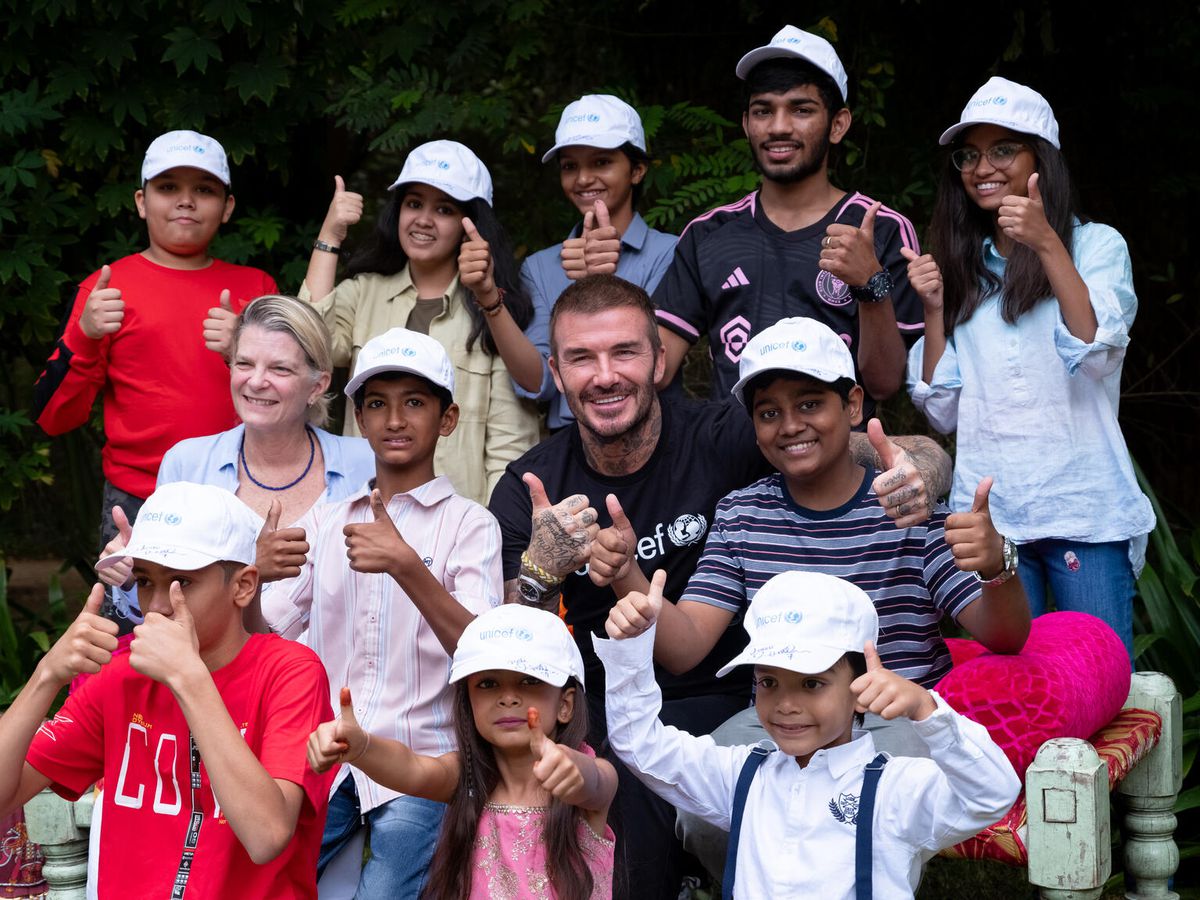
(533, 592)
(878, 287)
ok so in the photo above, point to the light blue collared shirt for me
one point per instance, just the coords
(1036, 408)
(645, 256)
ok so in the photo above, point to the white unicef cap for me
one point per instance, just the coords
(185, 148)
(598, 120)
(189, 526)
(791, 41)
(798, 345)
(401, 350)
(1012, 105)
(805, 622)
(450, 167)
(519, 639)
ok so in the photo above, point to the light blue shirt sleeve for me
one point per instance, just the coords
(1102, 260)
(937, 401)
(536, 282)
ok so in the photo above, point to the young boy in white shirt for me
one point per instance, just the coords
(809, 811)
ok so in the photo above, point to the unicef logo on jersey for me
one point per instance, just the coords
(688, 529)
(832, 290)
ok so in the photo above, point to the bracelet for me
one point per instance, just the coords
(546, 578)
(494, 310)
(327, 248)
(366, 747)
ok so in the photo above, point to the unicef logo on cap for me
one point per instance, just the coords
(172, 519)
(442, 164)
(792, 617)
(520, 634)
(408, 351)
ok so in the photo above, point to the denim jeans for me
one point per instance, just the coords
(1089, 578)
(402, 834)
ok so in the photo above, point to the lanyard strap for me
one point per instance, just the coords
(862, 829)
(192, 838)
(753, 761)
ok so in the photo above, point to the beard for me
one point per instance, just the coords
(609, 432)
(812, 162)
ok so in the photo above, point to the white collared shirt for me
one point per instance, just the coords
(798, 830)
(367, 631)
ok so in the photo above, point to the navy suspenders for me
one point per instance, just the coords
(862, 828)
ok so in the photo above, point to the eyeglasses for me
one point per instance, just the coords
(1000, 156)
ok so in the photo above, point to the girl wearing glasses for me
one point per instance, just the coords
(1027, 317)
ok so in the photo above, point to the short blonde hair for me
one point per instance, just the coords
(288, 315)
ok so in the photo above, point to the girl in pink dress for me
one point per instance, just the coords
(528, 799)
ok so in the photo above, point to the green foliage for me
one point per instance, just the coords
(22, 461)
(25, 637)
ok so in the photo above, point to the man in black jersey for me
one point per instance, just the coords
(649, 471)
(798, 246)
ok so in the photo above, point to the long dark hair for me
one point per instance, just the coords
(451, 871)
(383, 255)
(958, 228)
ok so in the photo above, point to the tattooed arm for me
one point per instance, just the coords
(560, 542)
(914, 472)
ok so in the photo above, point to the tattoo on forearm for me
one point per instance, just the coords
(552, 545)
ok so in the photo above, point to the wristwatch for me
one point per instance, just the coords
(878, 287)
(1010, 566)
(533, 591)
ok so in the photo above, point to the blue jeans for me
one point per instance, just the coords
(402, 834)
(1089, 578)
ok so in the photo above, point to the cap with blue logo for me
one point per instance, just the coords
(450, 167)
(401, 350)
(795, 344)
(1010, 105)
(597, 120)
(189, 526)
(518, 638)
(185, 148)
(790, 41)
(805, 622)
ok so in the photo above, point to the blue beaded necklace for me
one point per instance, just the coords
(312, 454)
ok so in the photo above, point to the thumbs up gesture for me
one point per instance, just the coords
(1024, 218)
(613, 548)
(341, 740)
(562, 534)
(602, 243)
(166, 647)
(973, 539)
(220, 325)
(888, 694)
(345, 209)
(377, 546)
(925, 278)
(117, 575)
(900, 487)
(574, 260)
(553, 767)
(634, 613)
(280, 551)
(475, 269)
(848, 252)
(104, 310)
(85, 646)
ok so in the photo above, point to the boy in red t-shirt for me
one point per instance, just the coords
(199, 732)
(146, 327)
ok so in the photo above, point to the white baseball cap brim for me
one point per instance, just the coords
(809, 661)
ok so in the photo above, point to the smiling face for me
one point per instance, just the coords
(183, 208)
(988, 184)
(606, 366)
(790, 133)
(430, 229)
(803, 427)
(401, 417)
(589, 174)
(500, 701)
(805, 713)
(272, 382)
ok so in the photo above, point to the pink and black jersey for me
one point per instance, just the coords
(735, 273)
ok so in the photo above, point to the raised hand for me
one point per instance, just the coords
(601, 244)
(973, 539)
(900, 487)
(163, 646)
(888, 694)
(280, 551)
(848, 252)
(104, 310)
(925, 278)
(119, 573)
(341, 740)
(553, 766)
(85, 646)
(613, 548)
(220, 325)
(345, 209)
(562, 533)
(634, 613)
(376, 546)
(574, 260)
(1024, 218)
(475, 269)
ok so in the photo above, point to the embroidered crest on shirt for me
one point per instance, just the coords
(845, 808)
(831, 289)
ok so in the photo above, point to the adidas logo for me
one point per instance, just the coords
(736, 279)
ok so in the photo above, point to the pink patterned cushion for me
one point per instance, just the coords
(1070, 679)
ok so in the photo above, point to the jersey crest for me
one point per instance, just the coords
(845, 808)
